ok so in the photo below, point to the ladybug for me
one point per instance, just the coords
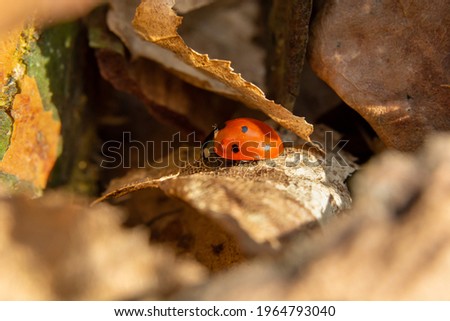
(243, 139)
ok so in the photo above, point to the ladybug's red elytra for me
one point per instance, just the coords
(243, 139)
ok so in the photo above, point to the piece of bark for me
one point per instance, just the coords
(30, 147)
(289, 25)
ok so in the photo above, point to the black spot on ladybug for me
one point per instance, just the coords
(244, 129)
(235, 148)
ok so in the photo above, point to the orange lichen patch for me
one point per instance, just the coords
(8, 59)
(12, 49)
(34, 141)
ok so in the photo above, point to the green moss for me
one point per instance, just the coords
(5, 132)
(100, 37)
(13, 183)
(58, 63)
(51, 63)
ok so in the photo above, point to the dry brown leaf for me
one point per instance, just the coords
(227, 30)
(177, 225)
(316, 98)
(119, 21)
(393, 245)
(169, 99)
(54, 248)
(259, 204)
(157, 23)
(389, 61)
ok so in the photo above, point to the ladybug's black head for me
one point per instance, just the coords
(208, 145)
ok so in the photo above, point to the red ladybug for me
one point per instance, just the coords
(243, 139)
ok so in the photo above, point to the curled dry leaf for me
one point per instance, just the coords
(389, 61)
(227, 30)
(157, 23)
(167, 97)
(119, 21)
(402, 254)
(260, 204)
(59, 250)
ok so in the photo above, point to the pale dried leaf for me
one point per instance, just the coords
(119, 21)
(393, 245)
(227, 30)
(261, 203)
(55, 249)
(177, 225)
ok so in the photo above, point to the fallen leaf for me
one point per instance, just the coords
(56, 248)
(218, 28)
(165, 46)
(393, 244)
(315, 98)
(163, 31)
(119, 20)
(259, 204)
(167, 98)
(389, 61)
(178, 226)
